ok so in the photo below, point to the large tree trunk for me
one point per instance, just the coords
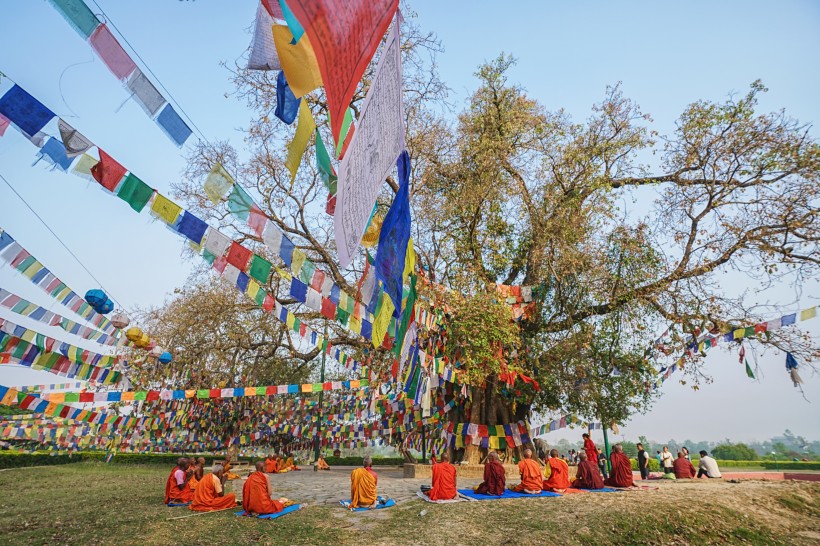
(488, 408)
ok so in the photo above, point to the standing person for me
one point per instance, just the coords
(602, 466)
(708, 466)
(658, 456)
(590, 449)
(667, 461)
(643, 462)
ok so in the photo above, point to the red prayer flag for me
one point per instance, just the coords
(111, 52)
(344, 35)
(273, 7)
(239, 256)
(257, 220)
(108, 172)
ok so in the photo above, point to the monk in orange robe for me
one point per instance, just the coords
(198, 468)
(270, 465)
(177, 489)
(495, 478)
(531, 477)
(621, 469)
(590, 449)
(226, 468)
(444, 480)
(210, 494)
(588, 475)
(559, 474)
(321, 464)
(288, 465)
(363, 486)
(257, 493)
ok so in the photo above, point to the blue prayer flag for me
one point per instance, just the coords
(192, 227)
(173, 125)
(55, 151)
(286, 251)
(298, 290)
(26, 112)
(242, 281)
(394, 236)
(788, 320)
(287, 105)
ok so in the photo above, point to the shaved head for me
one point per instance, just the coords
(260, 466)
(528, 453)
(618, 448)
(582, 456)
(554, 453)
(493, 456)
(445, 457)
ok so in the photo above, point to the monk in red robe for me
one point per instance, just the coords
(177, 489)
(621, 469)
(257, 493)
(683, 468)
(270, 464)
(495, 479)
(210, 493)
(444, 480)
(590, 449)
(531, 477)
(588, 475)
(559, 474)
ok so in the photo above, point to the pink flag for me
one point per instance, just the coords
(111, 52)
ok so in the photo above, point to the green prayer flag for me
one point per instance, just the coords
(135, 192)
(750, 331)
(203, 393)
(208, 257)
(406, 315)
(240, 203)
(317, 387)
(324, 166)
(260, 269)
(79, 16)
(342, 316)
(306, 273)
(260, 297)
(261, 391)
(749, 371)
(346, 123)
(72, 397)
(140, 395)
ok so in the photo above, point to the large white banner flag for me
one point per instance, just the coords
(371, 155)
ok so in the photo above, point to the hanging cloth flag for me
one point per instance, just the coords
(323, 165)
(107, 171)
(78, 16)
(301, 139)
(4, 124)
(263, 50)
(240, 203)
(371, 234)
(345, 36)
(145, 93)
(383, 314)
(135, 192)
(23, 110)
(287, 105)
(173, 125)
(407, 315)
(348, 130)
(293, 24)
(791, 367)
(378, 140)
(273, 8)
(111, 52)
(84, 166)
(74, 142)
(54, 152)
(298, 61)
(218, 183)
(409, 261)
(394, 236)
(165, 209)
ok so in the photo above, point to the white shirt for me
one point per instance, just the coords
(710, 466)
(666, 459)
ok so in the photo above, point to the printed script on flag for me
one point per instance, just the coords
(377, 142)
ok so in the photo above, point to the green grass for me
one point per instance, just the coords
(93, 503)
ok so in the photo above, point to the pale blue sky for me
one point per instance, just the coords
(666, 54)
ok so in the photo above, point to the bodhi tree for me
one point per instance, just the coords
(620, 231)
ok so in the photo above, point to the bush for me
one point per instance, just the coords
(790, 465)
(734, 452)
(653, 465)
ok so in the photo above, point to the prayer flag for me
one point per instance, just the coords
(287, 105)
(216, 243)
(382, 320)
(263, 50)
(26, 112)
(107, 171)
(111, 52)
(323, 165)
(273, 8)
(240, 203)
(4, 124)
(135, 192)
(298, 61)
(239, 256)
(144, 92)
(345, 36)
(56, 154)
(84, 166)
(173, 125)
(165, 209)
(78, 15)
(192, 227)
(260, 269)
(293, 23)
(395, 234)
(218, 183)
(75, 143)
(296, 149)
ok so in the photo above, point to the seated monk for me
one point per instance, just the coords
(363, 486)
(495, 479)
(531, 477)
(288, 465)
(683, 467)
(444, 480)
(321, 464)
(270, 465)
(257, 492)
(177, 489)
(198, 468)
(558, 480)
(621, 469)
(588, 475)
(210, 495)
(227, 467)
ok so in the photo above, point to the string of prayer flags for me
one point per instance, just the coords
(298, 61)
(394, 236)
(377, 142)
(263, 54)
(296, 149)
(344, 36)
(46, 343)
(135, 192)
(120, 63)
(218, 183)
(24, 111)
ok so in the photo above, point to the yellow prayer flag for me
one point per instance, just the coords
(250, 391)
(165, 209)
(218, 183)
(10, 398)
(283, 274)
(190, 393)
(83, 166)
(291, 320)
(307, 387)
(355, 325)
(57, 397)
(253, 288)
(296, 149)
(127, 396)
(371, 234)
(409, 260)
(806, 314)
(298, 61)
(740, 333)
(382, 320)
(297, 260)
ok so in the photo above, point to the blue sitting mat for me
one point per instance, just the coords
(507, 495)
(379, 506)
(173, 504)
(286, 510)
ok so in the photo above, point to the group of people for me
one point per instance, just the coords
(276, 464)
(679, 467)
